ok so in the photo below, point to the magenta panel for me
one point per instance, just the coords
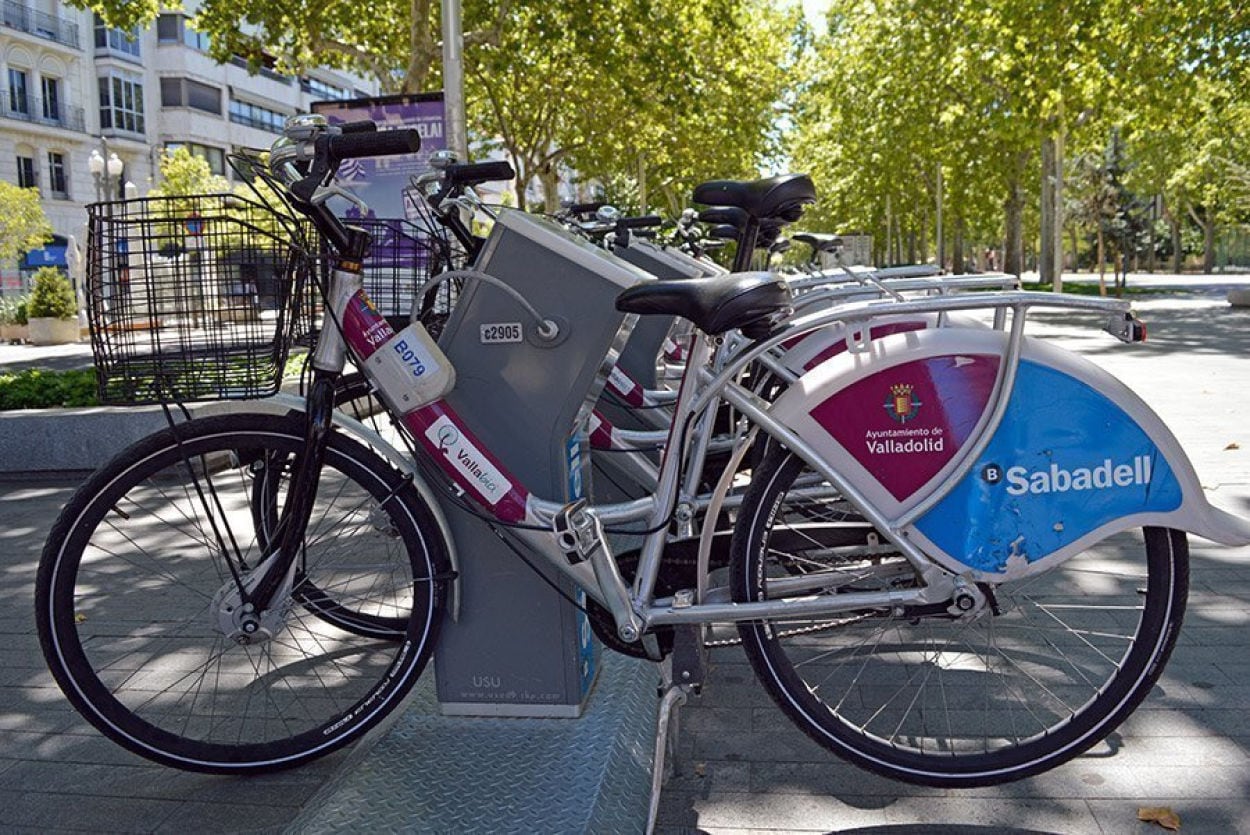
(904, 424)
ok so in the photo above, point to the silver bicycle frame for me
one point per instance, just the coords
(702, 388)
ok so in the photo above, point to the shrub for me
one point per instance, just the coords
(52, 296)
(40, 389)
(8, 310)
(21, 311)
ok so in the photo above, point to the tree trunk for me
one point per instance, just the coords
(924, 235)
(1046, 260)
(549, 176)
(424, 50)
(1102, 264)
(1178, 254)
(940, 242)
(1013, 232)
(1174, 230)
(1208, 246)
(958, 253)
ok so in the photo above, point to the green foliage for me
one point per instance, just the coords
(13, 310)
(897, 89)
(41, 389)
(23, 225)
(665, 95)
(52, 296)
(122, 14)
(184, 174)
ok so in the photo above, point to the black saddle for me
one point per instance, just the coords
(781, 197)
(819, 241)
(750, 302)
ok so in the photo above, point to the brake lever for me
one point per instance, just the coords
(325, 192)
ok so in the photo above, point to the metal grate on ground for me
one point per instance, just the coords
(433, 773)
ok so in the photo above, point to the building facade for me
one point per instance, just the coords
(70, 86)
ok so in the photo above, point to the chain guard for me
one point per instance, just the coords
(678, 570)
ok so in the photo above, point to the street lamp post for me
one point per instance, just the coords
(105, 173)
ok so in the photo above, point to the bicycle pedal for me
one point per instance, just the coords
(578, 531)
(1126, 328)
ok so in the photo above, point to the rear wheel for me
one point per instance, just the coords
(135, 588)
(1049, 668)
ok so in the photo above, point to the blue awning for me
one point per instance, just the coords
(52, 255)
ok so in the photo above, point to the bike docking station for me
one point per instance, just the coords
(518, 647)
(532, 726)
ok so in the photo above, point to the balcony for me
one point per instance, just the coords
(25, 19)
(33, 109)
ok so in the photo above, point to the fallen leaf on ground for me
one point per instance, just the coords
(80, 618)
(700, 769)
(1161, 815)
(1233, 445)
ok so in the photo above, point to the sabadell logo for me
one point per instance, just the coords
(1056, 479)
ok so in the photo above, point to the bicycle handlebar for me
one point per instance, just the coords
(640, 222)
(365, 143)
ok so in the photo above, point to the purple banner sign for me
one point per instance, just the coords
(380, 181)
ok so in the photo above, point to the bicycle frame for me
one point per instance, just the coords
(442, 434)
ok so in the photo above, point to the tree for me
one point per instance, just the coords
(395, 41)
(900, 89)
(631, 90)
(23, 225)
(184, 174)
(1092, 204)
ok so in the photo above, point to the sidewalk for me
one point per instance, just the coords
(741, 767)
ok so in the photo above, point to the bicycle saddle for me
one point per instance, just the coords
(819, 241)
(782, 197)
(749, 302)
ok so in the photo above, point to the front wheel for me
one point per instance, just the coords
(1049, 669)
(137, 590)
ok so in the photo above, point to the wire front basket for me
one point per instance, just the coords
(193, 298)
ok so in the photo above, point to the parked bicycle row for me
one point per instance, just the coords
(954, 554)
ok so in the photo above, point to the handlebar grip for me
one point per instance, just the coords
(475, 173)
(640, 222)
(378, 144)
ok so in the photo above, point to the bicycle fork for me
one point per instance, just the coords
(258, 617)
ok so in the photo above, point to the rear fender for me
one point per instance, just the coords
(808, 350)
(1076, 457)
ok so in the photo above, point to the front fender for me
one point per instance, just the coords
(1076, 457)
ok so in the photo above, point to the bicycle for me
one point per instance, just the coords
(989, 614)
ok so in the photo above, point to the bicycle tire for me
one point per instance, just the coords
(920, 696)
(130, 629)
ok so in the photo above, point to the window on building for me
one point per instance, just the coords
(57, 182)
(51, 98)
(169, 28)
(194, 39)
(19, 95)
(120, 41)
(176, 28)
(323, 89)
(183, 92)
(26, 177)
(215, 157)
(255, 116)
(121, 102)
